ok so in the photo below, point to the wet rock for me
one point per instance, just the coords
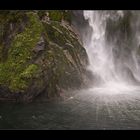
(27, 73)
(40, 46)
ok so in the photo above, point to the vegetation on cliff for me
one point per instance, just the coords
(39, 53)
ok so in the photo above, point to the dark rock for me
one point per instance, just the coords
(40, 46)
(26, 73)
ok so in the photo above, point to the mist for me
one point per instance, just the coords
(113, 48)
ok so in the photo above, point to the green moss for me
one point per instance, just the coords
(29, 72)
(17, 85)
(57, 65)
(20, 83)
(17, 65)
(1, 52)
(66, 36)
(56, 15)
(63, 71)
(67, 16)
(41, 13)
(54, 35)
(7, 16)
(60, 34)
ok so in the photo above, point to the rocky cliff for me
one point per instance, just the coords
(40, 53)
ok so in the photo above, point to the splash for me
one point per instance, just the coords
(112, 52)
(115, 89)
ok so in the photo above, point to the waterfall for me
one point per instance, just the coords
(113, 47)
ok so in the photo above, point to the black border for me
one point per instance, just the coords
(68, 135)
(70, 4)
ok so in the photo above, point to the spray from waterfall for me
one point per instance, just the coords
(113, 48)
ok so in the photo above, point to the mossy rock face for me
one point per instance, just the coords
(56, 15)
(40, 57)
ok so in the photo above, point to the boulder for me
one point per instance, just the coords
(44, 58)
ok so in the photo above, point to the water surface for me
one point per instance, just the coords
(88, 109)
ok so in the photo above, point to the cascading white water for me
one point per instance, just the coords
(100, 59)
(114, 72)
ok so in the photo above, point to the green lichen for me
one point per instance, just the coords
(20, 53)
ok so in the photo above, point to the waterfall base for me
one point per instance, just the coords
(115, 88)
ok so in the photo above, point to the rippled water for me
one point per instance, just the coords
(88, 109)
